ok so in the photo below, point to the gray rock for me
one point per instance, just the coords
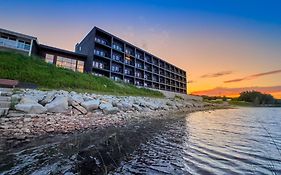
(48, 98)
(125, 106)
(110, 110)
(31, 108)
(59, 104)
(91, 105)
(137, 107)
(4, 111)
(28, 100)
(77, 98)
(102, 106)
(80, 108)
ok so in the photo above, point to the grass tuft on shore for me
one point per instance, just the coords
(47, 76)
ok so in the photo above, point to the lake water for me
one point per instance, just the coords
(235, 141)
(232, 141)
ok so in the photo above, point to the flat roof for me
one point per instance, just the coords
(67, 52)
(17, 34)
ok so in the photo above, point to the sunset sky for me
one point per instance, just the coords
(226, 46)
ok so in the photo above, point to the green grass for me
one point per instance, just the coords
(47, 76)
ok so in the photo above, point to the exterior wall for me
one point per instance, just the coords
(168, 94)
(42, 51)
(16, 41)
(86, 47)
(109, 56)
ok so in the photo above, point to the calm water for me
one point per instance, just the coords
(234, 141)
(237, 141)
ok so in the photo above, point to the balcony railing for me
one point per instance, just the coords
(100, 53)
(117, 58)
(117, 47)
(101, 41)
(14, 44)
(129, 52)
(129, 62)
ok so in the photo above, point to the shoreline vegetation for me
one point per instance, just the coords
(46, 76)
(246, 99)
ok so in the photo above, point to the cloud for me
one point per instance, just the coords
(191, 81)
(221, 91)
(218, 74)
(253, 76)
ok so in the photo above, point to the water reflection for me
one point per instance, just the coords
(237, 141)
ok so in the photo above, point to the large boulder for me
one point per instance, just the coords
(28, 100)
(91, 104)
(111, 110)
(102, 106)
(48, 98)
(31, 108)
(59, 104)
(124, 106)
(108, 108)
(77, 98)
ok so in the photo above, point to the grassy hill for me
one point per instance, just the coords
(46, 76)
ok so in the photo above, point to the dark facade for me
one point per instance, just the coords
(113, 57)
(103, 54)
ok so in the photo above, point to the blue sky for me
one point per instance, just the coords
(200, 36)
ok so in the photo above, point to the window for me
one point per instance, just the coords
(66, 63)
(49, 58)
(80, 66)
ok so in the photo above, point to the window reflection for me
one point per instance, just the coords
(49, 58)
(68, 63)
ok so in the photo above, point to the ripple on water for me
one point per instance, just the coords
(237, 141)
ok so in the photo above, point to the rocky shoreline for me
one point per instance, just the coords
(34, 113)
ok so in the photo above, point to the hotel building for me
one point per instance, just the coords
(103, 54)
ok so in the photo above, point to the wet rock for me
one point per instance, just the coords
(91, 105)
(59, 104)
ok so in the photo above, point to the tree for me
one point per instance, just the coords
(256, 98)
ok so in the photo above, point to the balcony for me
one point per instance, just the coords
(100, 53)
(147, 77)
(101, 41)
(129, 72)
(100, 65)
(154, 78)
(138, 75)
(116, 69)
(129, 52)
(117, 58)
(139, 65)
(14, 44)
(147, 59)
(117, 47)
(148, 68)
(139, 56)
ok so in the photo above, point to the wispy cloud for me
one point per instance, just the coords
(218, 74)
(253, 76)
(220, 91)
